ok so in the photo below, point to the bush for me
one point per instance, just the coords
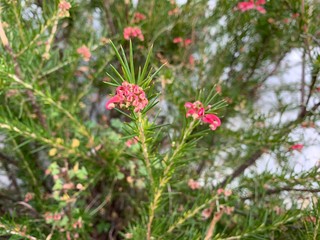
(153, 119)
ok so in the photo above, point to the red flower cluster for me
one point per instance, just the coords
(297, 147)
(186, 42)
(197, 111)
(84, 52)
(245, 6)
(128, 95)
(138, 17)
(134, 32)
(64, 5)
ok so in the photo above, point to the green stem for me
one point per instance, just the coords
(142, 139)
(167, 173)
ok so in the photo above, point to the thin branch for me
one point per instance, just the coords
(257, 154)
(303, 78)
(29, 93)
(107, 9)
(145, 152)
(278, 190)
(216, 217)
(16, 232)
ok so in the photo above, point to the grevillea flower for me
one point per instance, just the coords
(128, 95)
(191, 60)
(196, 110)
(28, 197)
(138, 17)
(213, 121)
(245, 6)
(177, 40)
(187, 42)
(131, 141)
(64, 7)
(194, 184)
(206, 213)
(84, 52)
(174, 11)
(133, 32)
(297, 147)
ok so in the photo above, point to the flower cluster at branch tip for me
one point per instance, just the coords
(185, 42)
(194, 184)
(138, 17)
(196, 110)
(297, 147)
(131, 141)
(225, 192)
(128, 95)
(28, 197)
(245, 6)
(64, 7)
(133, 32)
(84, 52)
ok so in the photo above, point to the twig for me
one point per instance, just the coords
(166, 176)
(16, 232)
(106, 6)
(216, 217)
(257, 154)
(142, 139)
(303, 78)
(241, 168)
(278, 190)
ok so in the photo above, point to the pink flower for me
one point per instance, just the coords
(297, 147)
(218, 89)
(174, 11)
(245, 6)
(228, 210)
(52, 216)
(178, 40)
(187, 42)
(84, 52)
(64, 5)
(227, 192)
(295, 15)
(220, 191)
(28, 197)
(261, 9)
(111, 103)
(191, 60)
(128, 95)
(206, 213)
(138, 17)
(77, 224)
(196, 110)
(133, 32)
(286, 20)
(68, 186)
(194, 184)
(131, 141)
(213, 121)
